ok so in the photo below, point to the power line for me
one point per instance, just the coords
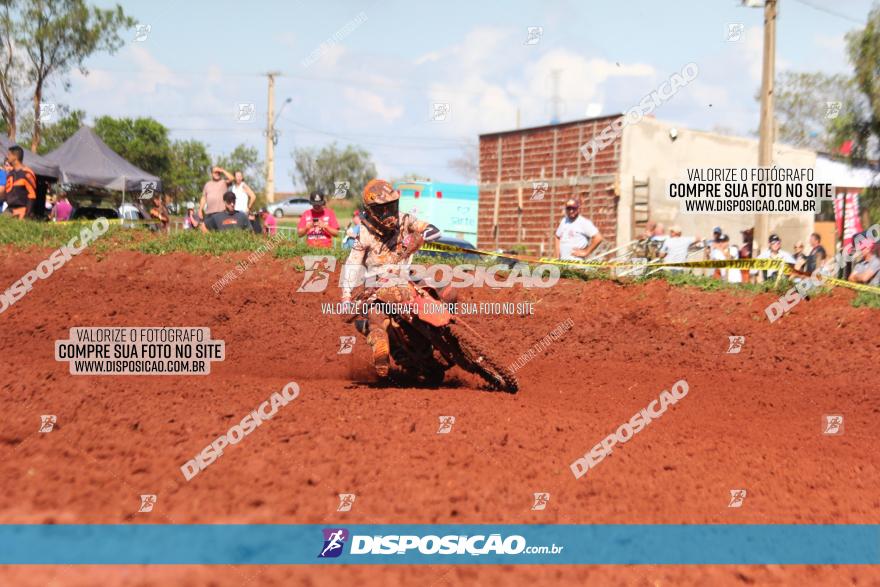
(831, 12)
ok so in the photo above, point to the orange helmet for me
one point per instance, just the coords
(379, 191)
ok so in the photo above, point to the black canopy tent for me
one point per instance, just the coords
(85, 159)
(46, 172)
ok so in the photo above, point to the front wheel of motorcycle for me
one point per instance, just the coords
(474, 359)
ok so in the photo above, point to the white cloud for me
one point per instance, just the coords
(372, 104)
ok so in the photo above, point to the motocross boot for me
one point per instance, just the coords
(378, 340)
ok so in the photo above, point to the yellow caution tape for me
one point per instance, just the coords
(772, 264)
(851, 285)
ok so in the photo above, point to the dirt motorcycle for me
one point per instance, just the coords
(426, 340)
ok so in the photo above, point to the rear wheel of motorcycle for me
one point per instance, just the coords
(478, 361)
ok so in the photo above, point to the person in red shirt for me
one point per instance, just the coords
(318, 225)
(21, 184)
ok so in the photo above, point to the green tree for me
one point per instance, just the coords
(190, 169)
(59, 35)
(141, 141)
(802, 109)
(12, 73)
(54, 133)
(247, 160)
(321, 169)
(862, 125)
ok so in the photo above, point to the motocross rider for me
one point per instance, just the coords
(382, 254)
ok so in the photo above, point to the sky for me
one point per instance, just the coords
(369, 73)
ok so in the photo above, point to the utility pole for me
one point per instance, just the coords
(271, 139)
(767, 128)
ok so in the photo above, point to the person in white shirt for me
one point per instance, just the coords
(774, 252)
(244, 195)
(576, 237)
(675, 248)
(722, 250)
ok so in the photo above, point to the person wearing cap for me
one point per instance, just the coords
(352, 230)
(773, 252)
(318, 225)
(229, 218)
(576, 237)
(867, 270)
(725, 251)
(675, 248)
(191, 220)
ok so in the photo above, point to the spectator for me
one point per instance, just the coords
(229, 218)
(318, 225)
(675, 248)
(160, 212)
(270, 225)
(576, 237)
(659, 233)
(352, 231)
(21, 184)
(867, 270)
(4, 173)
(800, 259)
(212, 195)
(817, 256)
(774, 252)
(725, 251)
(191, 220)
(745, 250)
(62, 210)
(244, 195)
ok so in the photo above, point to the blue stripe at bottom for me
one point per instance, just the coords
(567, 544)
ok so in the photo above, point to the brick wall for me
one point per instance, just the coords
(527, 156)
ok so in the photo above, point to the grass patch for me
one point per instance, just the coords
(866, 300)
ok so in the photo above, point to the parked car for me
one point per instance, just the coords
(289, 207)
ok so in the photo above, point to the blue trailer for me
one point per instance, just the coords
(451, 207)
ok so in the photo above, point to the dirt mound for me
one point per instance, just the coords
(750, 420)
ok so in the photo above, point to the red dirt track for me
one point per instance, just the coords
(750, 421)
